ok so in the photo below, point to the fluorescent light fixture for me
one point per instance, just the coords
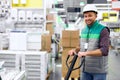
(82, 3)
(23, 1)
(15, 1)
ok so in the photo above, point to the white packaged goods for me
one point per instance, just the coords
(18, 40)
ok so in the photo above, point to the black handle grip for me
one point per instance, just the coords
(71, 66)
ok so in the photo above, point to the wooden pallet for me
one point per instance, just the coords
(71, 78)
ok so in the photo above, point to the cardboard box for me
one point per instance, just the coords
(49, 27)
(75, 73)
(46, 42)
(70, 38)
(70, 34)
(50, 17)
(70, 42)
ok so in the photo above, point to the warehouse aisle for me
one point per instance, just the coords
(113, 73)
(56, 74)
(114, 66)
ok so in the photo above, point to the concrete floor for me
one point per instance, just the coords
(114, 66)
(113, 71)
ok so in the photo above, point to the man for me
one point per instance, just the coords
(94, 46)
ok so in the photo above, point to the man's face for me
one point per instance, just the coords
(90, 17)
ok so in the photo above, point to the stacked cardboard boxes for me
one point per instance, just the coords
(49, 27)
(50, 23)
(70, 40)
(46, 42)
(50, 17)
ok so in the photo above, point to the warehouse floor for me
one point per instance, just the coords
(113, 73)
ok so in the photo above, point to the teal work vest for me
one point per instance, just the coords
(91, 35)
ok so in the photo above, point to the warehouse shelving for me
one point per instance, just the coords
(11, 59)
(35, 64)
(35, 12)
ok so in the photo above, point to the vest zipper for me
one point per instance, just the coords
(87, 41)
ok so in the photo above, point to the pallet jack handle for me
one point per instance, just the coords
(70, 69)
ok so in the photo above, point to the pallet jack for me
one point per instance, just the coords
(71, 67)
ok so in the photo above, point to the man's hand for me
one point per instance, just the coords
(81, 54)
(71, 52)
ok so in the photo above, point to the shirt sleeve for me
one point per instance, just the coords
(104, 42)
